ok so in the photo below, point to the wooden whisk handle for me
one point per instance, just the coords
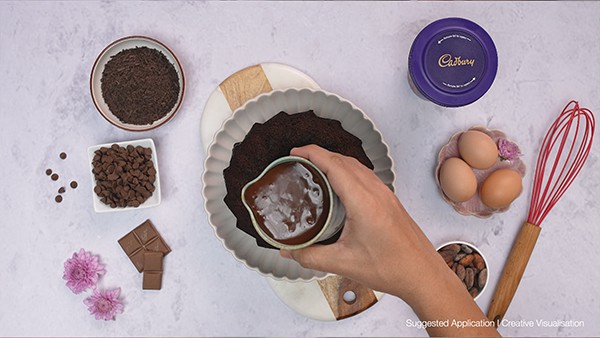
(513, 271)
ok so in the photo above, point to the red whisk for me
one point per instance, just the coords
(564, 150)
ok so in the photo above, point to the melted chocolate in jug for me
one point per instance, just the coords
(290, 202)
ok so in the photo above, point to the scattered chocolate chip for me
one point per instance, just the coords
(54, 177)
(58, 198)
(48, 172)
(61, 190)
(63, 155)
(73, 184)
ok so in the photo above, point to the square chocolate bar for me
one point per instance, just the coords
(137, 258)
(144, 238)
(145, 232)
(159, 245)
(153, 261)
(153, 268)
(130, 243)
(152, 280)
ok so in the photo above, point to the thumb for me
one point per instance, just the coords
(318, 257)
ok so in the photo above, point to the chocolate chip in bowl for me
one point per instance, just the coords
(137, 83)
(124, 175)
(469, 265)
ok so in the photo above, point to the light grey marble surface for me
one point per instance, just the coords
(548, 55)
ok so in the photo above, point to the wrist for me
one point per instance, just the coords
(431, 281)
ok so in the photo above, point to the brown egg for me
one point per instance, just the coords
(501, 188)
(477, 149)
(457, 180)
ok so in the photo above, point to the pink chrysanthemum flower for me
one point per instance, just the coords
(508, 150)
(105, 304)
(82, 271)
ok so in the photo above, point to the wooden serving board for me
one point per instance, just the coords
(322, 299)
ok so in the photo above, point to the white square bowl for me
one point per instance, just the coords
(153, 201)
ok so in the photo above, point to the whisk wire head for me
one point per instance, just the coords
(565, 148)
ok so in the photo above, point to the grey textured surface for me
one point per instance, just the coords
(548, 55)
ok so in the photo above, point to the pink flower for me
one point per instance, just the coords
(508, 150)
(82, 271)
(105, 304)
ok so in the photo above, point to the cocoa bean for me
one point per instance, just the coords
(467, 260)
(459, 257)
(474, 292)
(454, 247)
(469, 277)
(454, 267)
(460, 272)
(478, 262)
(482, 278)
(466, 249)
(447, 255)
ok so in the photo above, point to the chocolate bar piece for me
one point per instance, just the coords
(137, 258)
(144, 238)
(153, 261)
(153, 268)
(152, 280)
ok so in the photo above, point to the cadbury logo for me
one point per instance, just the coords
(447, 60)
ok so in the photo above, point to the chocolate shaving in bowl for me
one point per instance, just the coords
(273, 139)
(140, 85)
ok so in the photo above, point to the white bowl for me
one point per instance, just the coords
(152, 201)
(335, 218)
(243, 247)
(114, 48)
(472, 246)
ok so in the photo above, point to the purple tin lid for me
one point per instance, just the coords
(453, 62)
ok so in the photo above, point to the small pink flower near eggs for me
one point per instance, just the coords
(508, 150)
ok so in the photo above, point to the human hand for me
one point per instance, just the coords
(380, 246)
(383, 248)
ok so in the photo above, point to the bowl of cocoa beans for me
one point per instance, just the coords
(468, 263)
